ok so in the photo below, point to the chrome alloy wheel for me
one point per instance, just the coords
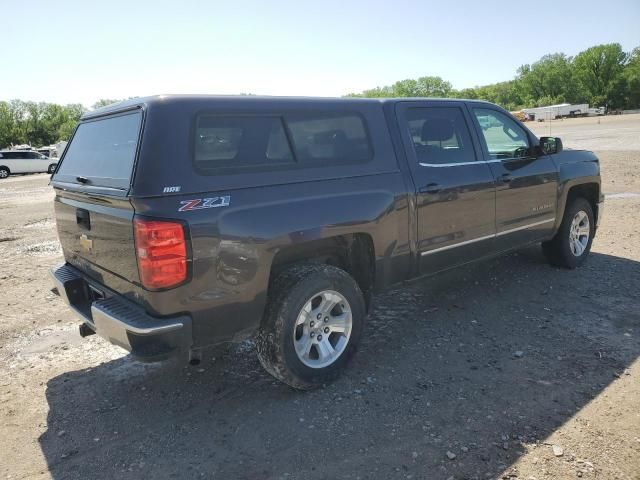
(322, 330)
(4, 174)
(579, 233)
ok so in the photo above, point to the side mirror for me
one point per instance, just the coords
(550, 145)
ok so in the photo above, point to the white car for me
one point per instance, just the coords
(25, 161)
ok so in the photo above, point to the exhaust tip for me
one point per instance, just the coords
(195, 356)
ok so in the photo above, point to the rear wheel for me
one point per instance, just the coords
(312, 325)
(4, 172)
(572, 243)
(51, 168)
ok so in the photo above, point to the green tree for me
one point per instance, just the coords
(599, 71)
(600, 75)
(6, 125)
(378, 92)
(17, 115)
(552, 77)
(632, 80)
(37, 124)
(503, 93)
(72, 114)
(468, 93)
(421, 87)
(35, 127)
(103, 102)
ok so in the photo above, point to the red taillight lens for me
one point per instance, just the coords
(161, 248)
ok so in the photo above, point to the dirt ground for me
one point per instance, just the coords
(504, 369)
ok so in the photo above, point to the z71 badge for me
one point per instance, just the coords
(201, 203)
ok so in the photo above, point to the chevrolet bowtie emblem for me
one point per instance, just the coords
(86, 243)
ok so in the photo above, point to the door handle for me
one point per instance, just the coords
(506, 178)
(83, 219)
(430, 188)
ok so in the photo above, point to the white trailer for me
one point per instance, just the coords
(562, 110)
(53, 151)
(596, 111)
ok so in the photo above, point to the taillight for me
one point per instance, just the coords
(161, 248)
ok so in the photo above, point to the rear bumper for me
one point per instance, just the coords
(120, 321)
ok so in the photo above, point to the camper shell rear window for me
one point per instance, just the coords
(102, 152)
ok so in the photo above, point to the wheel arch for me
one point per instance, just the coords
(578, 179)
(353, 253)
(589, 190)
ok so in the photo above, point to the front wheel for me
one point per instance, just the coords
(571, 245)
(4, 172)
(312, 325)
(51, 168)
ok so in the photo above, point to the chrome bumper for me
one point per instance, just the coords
(119, 321)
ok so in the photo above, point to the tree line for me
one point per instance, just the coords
(35, 123)
(603, 75)
(39, 123)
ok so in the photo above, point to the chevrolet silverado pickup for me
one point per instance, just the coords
(191, 221)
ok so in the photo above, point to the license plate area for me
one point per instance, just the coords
(82, 294)
(94, 294)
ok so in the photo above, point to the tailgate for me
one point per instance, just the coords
(96, 234)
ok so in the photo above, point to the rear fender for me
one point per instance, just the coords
(234, 244)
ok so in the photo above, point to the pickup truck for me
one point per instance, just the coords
(191, 221)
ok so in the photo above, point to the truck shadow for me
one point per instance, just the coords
(475, 362)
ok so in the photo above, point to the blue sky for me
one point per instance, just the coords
(80, 51)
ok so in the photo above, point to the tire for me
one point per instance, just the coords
(562, 250)
(315, 287)
(51, 168)
(4, 172)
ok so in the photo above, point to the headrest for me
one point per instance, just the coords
(437, 130)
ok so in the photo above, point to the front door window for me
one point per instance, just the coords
(504, 138)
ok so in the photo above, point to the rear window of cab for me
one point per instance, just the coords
(273, 142)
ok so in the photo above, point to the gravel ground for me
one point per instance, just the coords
(504, 369)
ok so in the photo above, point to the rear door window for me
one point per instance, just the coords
(102, 151)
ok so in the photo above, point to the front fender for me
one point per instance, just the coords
(575, 167)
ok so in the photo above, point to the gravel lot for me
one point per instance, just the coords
(504, 369)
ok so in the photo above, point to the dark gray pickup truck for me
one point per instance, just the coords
(189, 221)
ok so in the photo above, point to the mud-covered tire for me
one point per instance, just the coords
(289, 292)
(558, 250)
